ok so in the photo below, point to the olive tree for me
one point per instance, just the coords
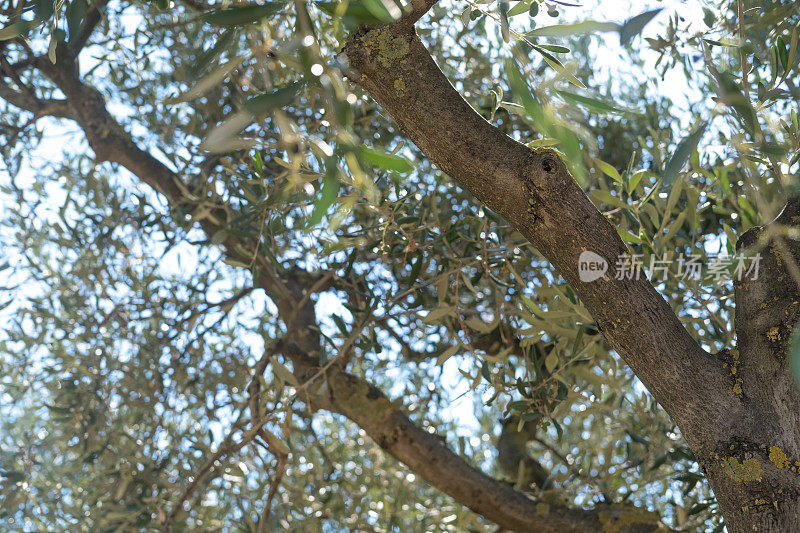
(370, 265)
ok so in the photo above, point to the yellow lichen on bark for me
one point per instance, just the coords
(774, 334)
(737, 381)
(386, 48)
(778, 457)
(746, 470)
(399, 86)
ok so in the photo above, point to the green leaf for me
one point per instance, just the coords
(242, 15)
(356, 14)
(682, 154)
(629, 237)
(235, 263)
(672, 201)
(447, 354)
(380, 10)
(416, 269)
(208, 82)
(551, 361)
(283, 374)
(205, 58)
(635, 178)
(520, 8)
(44, 9)
(439, 313)
(486, 372)
(262, 104)
(519, 405)
(76, 11)
(504, 29)
(793, 44)
(340, 324)
(328, 195)
(599, 195)
(675, 226)
(592, 103)
(732, 96)
(537, 312)
(577, 343)
(386, 161)
(698, 507)
(608, 170)
(783, 52)
(634, 26)
(15, 29)
(555, 48)
(558, 66)
(568, 30)
(709, 17)
(731, 238)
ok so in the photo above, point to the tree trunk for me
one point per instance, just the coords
(756, 472)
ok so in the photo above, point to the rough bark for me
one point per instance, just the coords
(429, 457)
(534, 192)
(756, 471)
(738, 410)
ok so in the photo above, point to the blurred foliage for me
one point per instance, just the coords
(128, 339)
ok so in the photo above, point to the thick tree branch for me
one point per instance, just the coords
(37, 106)
(340, 392)
(767, 312)
(534, 191)
(428, 456)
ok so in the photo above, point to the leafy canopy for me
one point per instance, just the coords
(128, 337)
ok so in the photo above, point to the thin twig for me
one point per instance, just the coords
(280, 470)
(222, 451)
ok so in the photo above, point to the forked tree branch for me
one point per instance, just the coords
(94, 15)
(534, 191)
(424, 453)
(37, 106)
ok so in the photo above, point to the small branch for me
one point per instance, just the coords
(93, 17)
(280, 470)
(743, 53)
(561, 457)
(26, 97)
(418, 10)
(428, 455)
(222, 451)
(39, 108)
